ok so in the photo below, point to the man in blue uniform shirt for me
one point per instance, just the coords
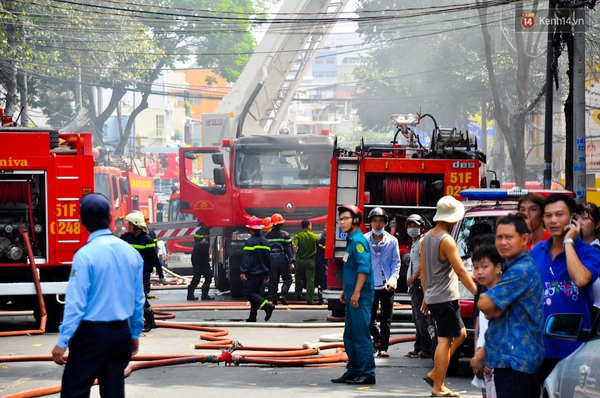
(102, 320)
(358, 296)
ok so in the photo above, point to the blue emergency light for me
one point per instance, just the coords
(507, 194)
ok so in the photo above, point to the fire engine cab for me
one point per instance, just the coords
(41, 184)
(402, 179)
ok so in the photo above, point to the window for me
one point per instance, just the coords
(160, 125)
(319, 61)
(330, 61)
(331, 74)
(319, 74)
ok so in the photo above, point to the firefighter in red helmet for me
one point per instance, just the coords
(255, 268)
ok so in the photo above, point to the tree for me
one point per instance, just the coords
(120, 46)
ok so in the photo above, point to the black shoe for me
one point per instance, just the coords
(192, 298)
(251, 319)
(269, 311)
(207, 298)
(361, 380)
(345, 377)
(283, 300)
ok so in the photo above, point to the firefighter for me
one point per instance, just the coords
(159, 270)
(137, 236)
(201, 264)
(357, 295)
(254, 269)
(321, 266)
(281, 259)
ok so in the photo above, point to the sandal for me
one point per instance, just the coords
(383, 354)
(411, 354)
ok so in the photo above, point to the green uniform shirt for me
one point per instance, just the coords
(306, 242)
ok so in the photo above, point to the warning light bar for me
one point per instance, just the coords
(507, 194)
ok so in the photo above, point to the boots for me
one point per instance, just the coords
(285, 288)
(190, 295)
(205, 295)
(320, 295)
(149, 323)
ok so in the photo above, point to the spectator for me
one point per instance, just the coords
(357, 295)
(589, 217)
(415, 226)
(305, 243)
(532, 205)
(514, 338)
(119, 229)
(255, 268)
(385, 259)
(442, 267)
(103, 308)
(487, 268)
(568, 267)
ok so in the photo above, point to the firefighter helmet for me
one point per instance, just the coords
(414, 218)
(255, 223)
(137, 219)
(277, 219)
(356, 213)
(267, 224)
(378, 211)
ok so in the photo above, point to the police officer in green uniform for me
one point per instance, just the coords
(305, 243)
(357, 294)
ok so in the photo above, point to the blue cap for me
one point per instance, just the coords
(94, 205)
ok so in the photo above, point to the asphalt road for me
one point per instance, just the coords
(291, 326)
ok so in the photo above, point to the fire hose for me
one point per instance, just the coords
(308, 354)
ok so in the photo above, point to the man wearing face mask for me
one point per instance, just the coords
(385, 259)
(423, 344)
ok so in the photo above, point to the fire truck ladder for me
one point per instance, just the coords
(346, 192)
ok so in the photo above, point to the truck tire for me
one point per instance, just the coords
(338, 310)
(236, 286)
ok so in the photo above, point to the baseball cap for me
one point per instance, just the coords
(94, 205)
(449, 209)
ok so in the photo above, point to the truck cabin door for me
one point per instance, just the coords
(205, 185)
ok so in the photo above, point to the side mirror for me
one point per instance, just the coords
(160, 206)
(564, 326)
(189, 155)
(123, 184)
(184, 205)
(219, 176)
(494, 184)
(217, 158)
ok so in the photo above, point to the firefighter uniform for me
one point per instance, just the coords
(357, 338)
(256, 265)
(201, 265)
(145, 245)
(281, 259)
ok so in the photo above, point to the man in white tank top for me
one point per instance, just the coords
(442, 267)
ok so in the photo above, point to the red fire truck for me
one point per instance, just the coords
(126, 190)
(401, 179)
(41, 183)
(287, 174)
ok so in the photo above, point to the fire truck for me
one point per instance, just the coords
(126, 190)
(401, 179)
(265, 175)
(41, 184)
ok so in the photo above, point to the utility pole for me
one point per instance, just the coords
(579, 163)
(549, 102)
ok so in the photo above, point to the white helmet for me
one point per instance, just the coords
(137, 219)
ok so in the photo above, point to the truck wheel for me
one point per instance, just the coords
(454, 365)
(221, 281)
(338, 310)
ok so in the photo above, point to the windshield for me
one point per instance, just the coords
(102, 184)
(470, 227)
(175, 212)
(283, 169)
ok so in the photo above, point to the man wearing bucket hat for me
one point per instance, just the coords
(442, 267)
